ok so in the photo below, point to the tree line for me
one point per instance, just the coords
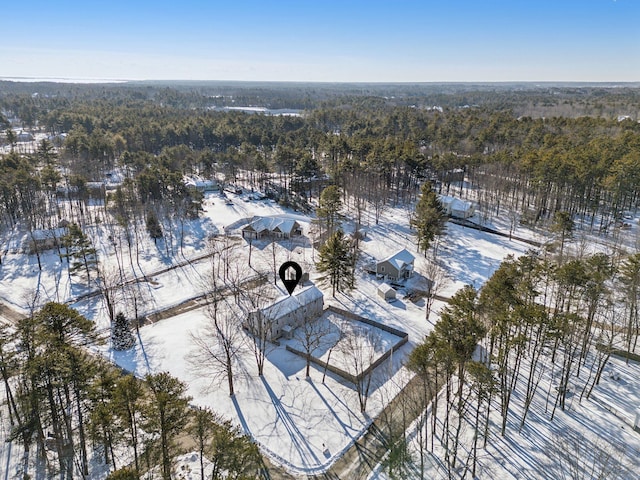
(378, 155)
(71, 405)
(539, 315)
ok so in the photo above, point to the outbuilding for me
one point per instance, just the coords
(386, 292)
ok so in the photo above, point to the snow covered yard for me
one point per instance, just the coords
(338, 333)
(304, 424)
(301, 424)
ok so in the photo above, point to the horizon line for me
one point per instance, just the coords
(95, 80)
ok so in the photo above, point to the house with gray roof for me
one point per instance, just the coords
(286, 313)
(274, 227)
(397, 267)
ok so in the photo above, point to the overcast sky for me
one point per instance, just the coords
(323, 40)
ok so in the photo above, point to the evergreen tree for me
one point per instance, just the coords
(429, 218)
(80, 252)
(58, 378)
(337, 263)
(104, 429)
(123, 474)
(121, 336)
(166, 415)
(127, 401)
(153, 227)
(329, 207)
(629, 280)
(233, 454)
(563, 225)
(201, 429)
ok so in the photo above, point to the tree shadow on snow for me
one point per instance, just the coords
(298, 439)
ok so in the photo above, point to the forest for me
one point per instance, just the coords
(554, 157)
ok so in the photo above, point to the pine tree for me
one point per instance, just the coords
(80, 252)
(233, 454)
(201, 429)
(329, 207)
(166, 415)
(59, 378)
(121, 336)
(123, 474)
(429, 218)
(153, 227)
(563, 225)
(337, 263)
(128, 397)
(629, 280)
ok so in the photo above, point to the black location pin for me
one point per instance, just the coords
(290, 274)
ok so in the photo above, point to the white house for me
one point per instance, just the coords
(285, 314)
(397, 267)
(457, 208)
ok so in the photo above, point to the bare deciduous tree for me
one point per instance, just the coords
(312, 334)
(360, 347)
(438, 281)
(218, 346)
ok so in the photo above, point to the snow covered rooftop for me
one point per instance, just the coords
(385, 287)
(272, 224)
(452, 203)
(290, 303)
(401, 259)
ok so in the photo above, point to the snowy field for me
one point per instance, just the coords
(305, 424)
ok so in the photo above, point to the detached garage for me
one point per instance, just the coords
(386, 292)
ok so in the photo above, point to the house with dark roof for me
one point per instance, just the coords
(397, 267)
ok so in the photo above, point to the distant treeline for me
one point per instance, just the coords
(533, 99)
(377, 149)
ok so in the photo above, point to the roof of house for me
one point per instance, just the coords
(196, 181)
(272, 224)
(290, 303)
(456, 203)
(48, 233)
(401, 259)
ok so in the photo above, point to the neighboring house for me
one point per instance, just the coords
(261, 227)
(397, 267)
(454, 207)
(44, 239)
(285, 314)
(386, 292)
(24, 137)
(201, 185)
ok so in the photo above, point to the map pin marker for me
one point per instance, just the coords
(290, 274)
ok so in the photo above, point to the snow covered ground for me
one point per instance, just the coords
(301, 424)
(592, 438)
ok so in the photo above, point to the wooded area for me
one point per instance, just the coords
(550, 157)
